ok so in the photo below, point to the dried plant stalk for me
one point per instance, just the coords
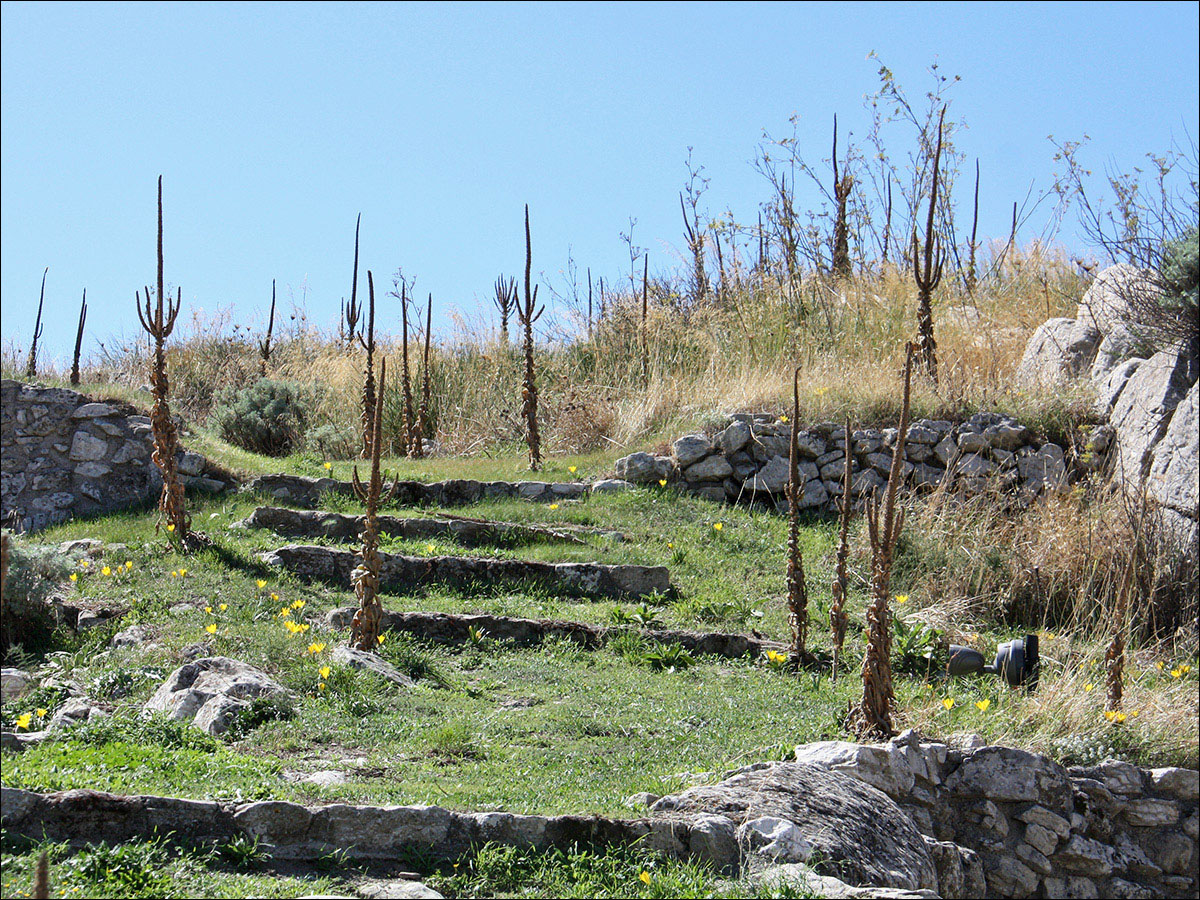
(972, 245)
(408, 425)
(351, 311)
(159, 321)
(31, 360)
(528, 313)
(506, 301)
(797, 589)
(4, 617)
(75, 377)
(841, 231)
(367, 339)
(872, 718)
(264, 346)
(364, 629)
(927, 271)
(841, 583)
(423, 424)
(645, 319)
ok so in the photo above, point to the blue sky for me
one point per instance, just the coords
(274, 126)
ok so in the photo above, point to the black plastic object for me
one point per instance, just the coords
(1017, 662)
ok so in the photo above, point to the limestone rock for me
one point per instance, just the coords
(734, 438)
(1106, 304)
(210, 691)
(691, 448)
(1143, 410)
(1175, 460)
(642, 468)
(1060, 350)
(775, 839)
(851, 826)
(712, 468)
(1109, 388)
(360, 659)
(13, 683)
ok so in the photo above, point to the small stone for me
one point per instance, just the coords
(691, 448)
(714, 468)
(85, 446)
(1039, 815)
(326, 778)
(643, 799)
(1085, 857)
(611, 486)
(776, 839)
(1182, 784)
(360, 659)
(734, 438)
(13, 684)
(1150, 813)
(93, 411)
(1041, 839)
(1034, 858)
(1009, 877)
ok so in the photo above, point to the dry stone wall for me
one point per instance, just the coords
(748, 460)
(908, 815)
(65, 456)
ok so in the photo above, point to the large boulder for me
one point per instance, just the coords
(1143, 410)
(1060, 350)
(211, 692)
(852, 828)
(1107, 304)
(1174, 477)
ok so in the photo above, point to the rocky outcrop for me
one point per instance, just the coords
(410, 572)
(67, 456)
(210, 692)
(747, 461)
(1060, 351)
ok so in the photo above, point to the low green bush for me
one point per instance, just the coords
(268, 417)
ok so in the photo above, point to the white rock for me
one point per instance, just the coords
(776, 839)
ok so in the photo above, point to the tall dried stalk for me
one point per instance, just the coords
(75, 379)
(506, 301)
(364, 629)
(872, 718)
(695, 242)
(408, 424)
(589, 319)
(1114, 655)
(367, 339)
(4, 617)
(797, 589)
(645, 342)
(887, 225)
(351, 311)
(972, 245)
(31, 361)
(841, 232)
(928, 273)
(423, 425)
(264, 346)
(841, 583)
(528, 313)
(158, 323)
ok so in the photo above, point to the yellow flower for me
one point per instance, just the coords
(182, 573)
(1177, 672)
(1159, 665)
(129, 564)
(572, 469)
(1089, 686)
(106, 571)
(211, 629)
(982, 705)
(429, 548)
(320, 685)
(1048, 635)
(775, 657)
(1114, 716)
(74, 576)
(902, 599)
(328, 466)
(24, 720)
(223, 607)
(670, 546)
(1185, 669)
(315, 648)
(84, 563)
(662, 482)
(717, 526)
(1134, 713)
(41, 713)
(644, 877)
(171, 526)
(274, 596)
(300, 629)
(554, 506)
(324, 671)
(783, 419)
(285, 612)
(948, 703)
(298, 604)
(381, 638)
(208, 609)
(261, 584)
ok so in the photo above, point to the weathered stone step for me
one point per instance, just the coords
(454, 628)
(472, 532)
(407, 572)
(296, 490)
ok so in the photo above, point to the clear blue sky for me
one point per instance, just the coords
(275, 125)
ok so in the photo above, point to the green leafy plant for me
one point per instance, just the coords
(259, 712)
(915, 646)
(241, 851)
(268, 417)
(668, 657)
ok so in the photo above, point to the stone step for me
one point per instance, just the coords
(454, 629)
(471, 532)
(402, 573)
(296, 490)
